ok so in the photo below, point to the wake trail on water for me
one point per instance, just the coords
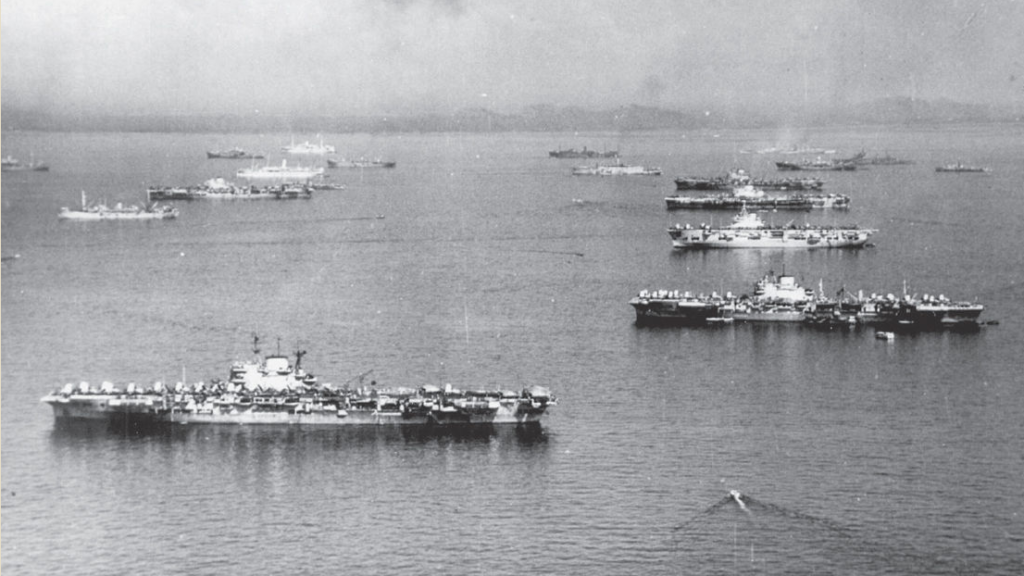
(761, 510)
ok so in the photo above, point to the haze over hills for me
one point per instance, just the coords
(537, 118)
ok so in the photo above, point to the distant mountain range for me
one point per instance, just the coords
(539, 118)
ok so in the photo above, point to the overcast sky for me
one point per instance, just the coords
(403, 56)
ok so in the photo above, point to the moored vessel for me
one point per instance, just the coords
(674, 307)
(360, 163)
(308, 147)
(271, 390)
(11, 164)
(616, 170)
(220, 189)
(757, 199)
(232, 154)
(959, 167)
(118, 211)
(584, 153)
(749, 231)
(283, 172)
(739, 178)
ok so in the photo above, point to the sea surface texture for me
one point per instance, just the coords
(481, 262)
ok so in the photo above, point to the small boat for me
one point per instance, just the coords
(282, 172)
(360, 163)
(885, 335)
(117, 212)
(308, 147)
(958, 167)
(616, 170)
(11, 164)
(233, 154)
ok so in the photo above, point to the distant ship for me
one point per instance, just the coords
(741, 178)
(117, 212)
(822, 164)
(616, 170)
(273, 391)
(360, 163)
(233, 154)
(749, 231)
(308, 147)
(11, 164)
(886, 160)
(220, 189)
(752, 197)
(585, 153)
(958, 167)
(282, 172)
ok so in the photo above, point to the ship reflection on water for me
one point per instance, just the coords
(75, 432)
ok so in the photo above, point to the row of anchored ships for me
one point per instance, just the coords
(782, 299)
(272, 390)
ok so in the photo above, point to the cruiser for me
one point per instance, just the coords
(272, 390)
(749, 231)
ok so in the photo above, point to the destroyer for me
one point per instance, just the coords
(272, 390)
(749, 231)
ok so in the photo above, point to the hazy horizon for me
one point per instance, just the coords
(409, 56)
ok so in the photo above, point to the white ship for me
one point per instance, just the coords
(616, 170)
(308, 147)
(282, 172)
(749, 231)
(118, 211)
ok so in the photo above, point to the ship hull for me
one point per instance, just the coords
(153, 410)
(76, 215)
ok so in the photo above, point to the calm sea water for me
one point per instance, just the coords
(492, 266)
